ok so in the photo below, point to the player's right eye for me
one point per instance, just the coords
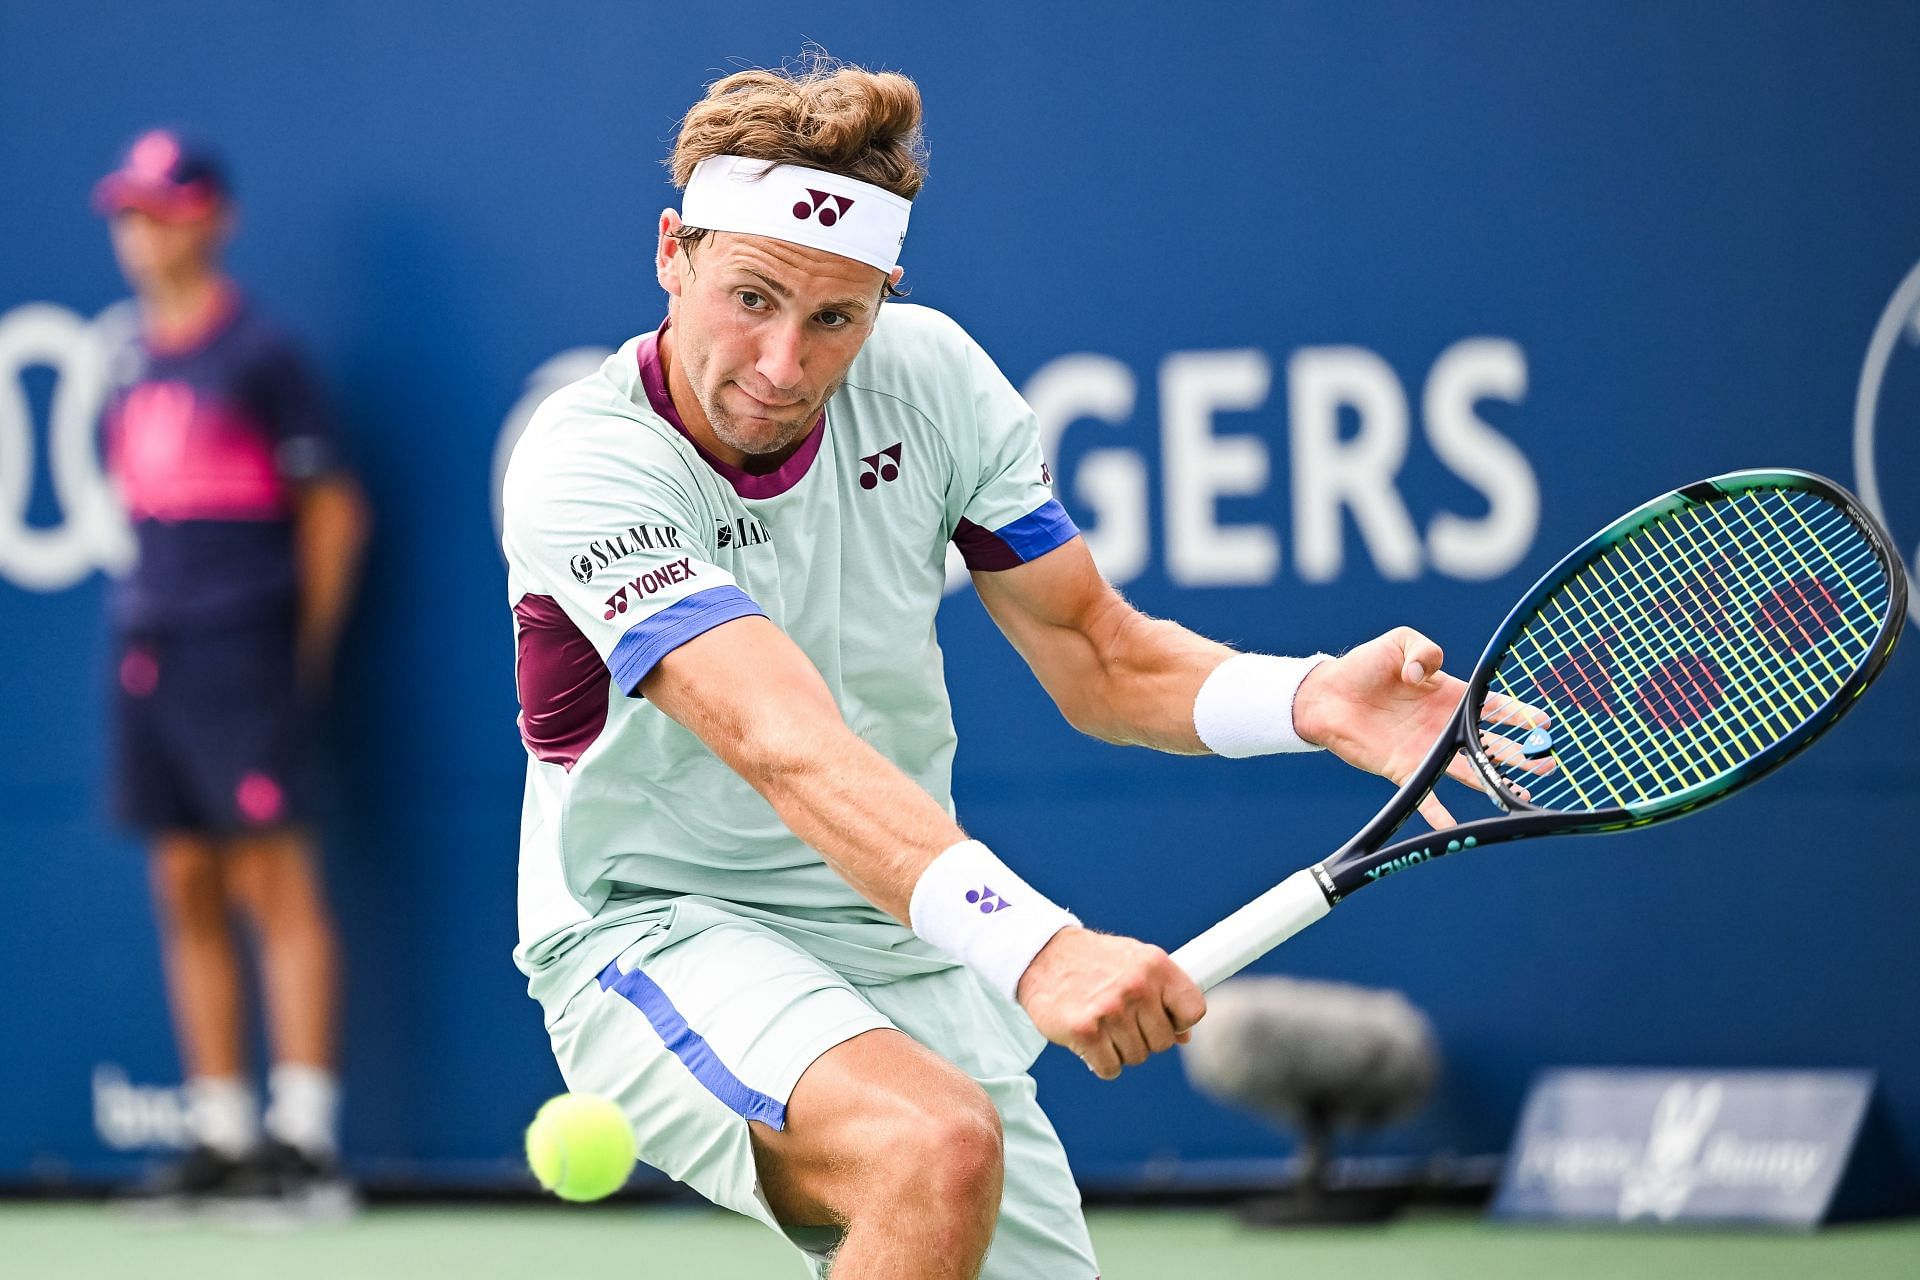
(752, 301)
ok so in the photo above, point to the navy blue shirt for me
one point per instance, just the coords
(209, 446)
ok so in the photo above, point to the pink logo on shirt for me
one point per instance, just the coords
(178, 457)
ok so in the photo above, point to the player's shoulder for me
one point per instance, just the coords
(596, 434)
(256, 338)
(906, 332)
(916, 354)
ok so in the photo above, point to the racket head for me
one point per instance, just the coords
(1687, 649)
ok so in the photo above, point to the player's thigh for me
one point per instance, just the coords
(878, 1123)
(700, 1033)
(1042, 1233)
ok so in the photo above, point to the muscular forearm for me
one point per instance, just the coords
(1114, 672)
(751, 696)
(1139, 678)
(867, 819)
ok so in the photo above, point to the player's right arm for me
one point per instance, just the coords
(753, 697)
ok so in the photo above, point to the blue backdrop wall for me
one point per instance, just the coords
(1342, 316)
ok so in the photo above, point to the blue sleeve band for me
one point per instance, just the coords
(651, 639)
(1039, 531)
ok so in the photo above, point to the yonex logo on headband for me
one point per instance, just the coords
(834, 213)
(827, 216)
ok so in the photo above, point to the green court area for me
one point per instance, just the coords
(90, 1242)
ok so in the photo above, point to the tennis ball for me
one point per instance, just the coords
(580, 1146)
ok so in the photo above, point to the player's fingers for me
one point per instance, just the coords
(1128, 1043)
(1419, 656)
(1156, 1030)
(1101, 1060)
(1498, 708)
(1461, 771)
(1504, 750)
(1186, 1004)
(1436, 814)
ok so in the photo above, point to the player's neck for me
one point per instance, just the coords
(179, 311)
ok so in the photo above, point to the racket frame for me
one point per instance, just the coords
(1368, 857)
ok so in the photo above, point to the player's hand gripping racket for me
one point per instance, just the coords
(1686, 650)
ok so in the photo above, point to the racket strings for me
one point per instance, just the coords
(1676, 690)
(1691, 645)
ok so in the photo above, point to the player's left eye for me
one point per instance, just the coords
(833, 319)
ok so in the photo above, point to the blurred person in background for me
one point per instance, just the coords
(250, 534)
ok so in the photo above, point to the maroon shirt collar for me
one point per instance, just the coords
(653, 377)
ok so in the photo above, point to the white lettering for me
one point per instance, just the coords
(1358, 474)
(1201, 467)
(1109, 483)
(1732, 1161)
(1469, 371)
(129, 1116)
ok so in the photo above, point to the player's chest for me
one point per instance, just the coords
(867, 523)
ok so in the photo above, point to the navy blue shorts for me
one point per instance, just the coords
(210, 732)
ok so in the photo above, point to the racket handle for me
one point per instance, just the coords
(1253, 930)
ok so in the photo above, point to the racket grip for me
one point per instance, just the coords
(1253, 930)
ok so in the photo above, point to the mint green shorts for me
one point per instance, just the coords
(705, 1021)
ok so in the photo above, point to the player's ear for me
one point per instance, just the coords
(894, 277)
(665, 269)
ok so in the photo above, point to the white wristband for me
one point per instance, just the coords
(1245, 708)
(972, 906)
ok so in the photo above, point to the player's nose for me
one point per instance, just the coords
(780, 358)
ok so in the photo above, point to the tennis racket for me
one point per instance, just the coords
(1683, 652)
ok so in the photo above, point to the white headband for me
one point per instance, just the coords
(803, 206)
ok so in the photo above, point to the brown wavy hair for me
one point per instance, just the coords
(818, 112)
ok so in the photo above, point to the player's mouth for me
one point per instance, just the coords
(774, 406)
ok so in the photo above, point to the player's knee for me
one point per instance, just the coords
(953, 1153)
(187, 886)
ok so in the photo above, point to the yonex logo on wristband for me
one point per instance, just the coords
(989, 901)
(827, 217)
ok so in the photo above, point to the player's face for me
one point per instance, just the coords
(763, 332)
(151, 249)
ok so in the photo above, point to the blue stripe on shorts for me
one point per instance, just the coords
(645, 995)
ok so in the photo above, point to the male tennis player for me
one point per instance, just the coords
(249, 533)
(745, 903)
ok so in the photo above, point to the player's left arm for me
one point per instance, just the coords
(331, 523)
(331, 528)
(1115, 673)
(1124, 677)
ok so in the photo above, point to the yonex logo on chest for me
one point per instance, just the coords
(820, 210)
(880, 468)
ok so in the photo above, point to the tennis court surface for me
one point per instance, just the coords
(92, 1242)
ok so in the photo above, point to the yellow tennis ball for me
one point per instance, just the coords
(580, 1146)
